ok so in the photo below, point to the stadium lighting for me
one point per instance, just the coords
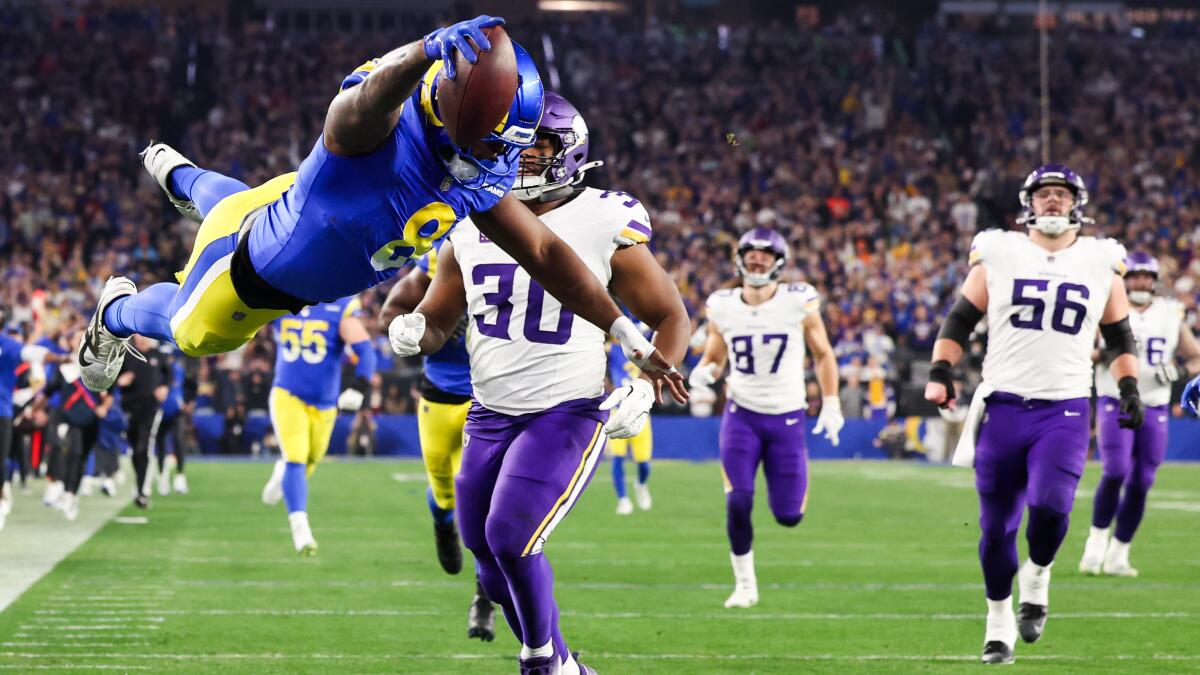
(582, 6)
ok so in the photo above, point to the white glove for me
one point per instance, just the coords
(703, 376)
(702, 401)
(350, 400)
(631, 340)
(632, 403)
(405, 334)
(1166, 373)
(830, 420)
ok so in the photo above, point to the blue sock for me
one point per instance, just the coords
(147, 313)
(643, 472)
(440, 516)
(202, 187)
(619, 476)
(295, 487)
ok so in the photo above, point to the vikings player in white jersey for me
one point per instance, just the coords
(536, 431)
(1027, 432)
(761, 329)
(1132, 457)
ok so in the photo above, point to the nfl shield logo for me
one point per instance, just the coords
(238, 316)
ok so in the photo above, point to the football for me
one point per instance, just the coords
(476, 100)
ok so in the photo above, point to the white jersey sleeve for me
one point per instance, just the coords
(765, 345)
(1157, 329)
(527, 352)
(1044, 311)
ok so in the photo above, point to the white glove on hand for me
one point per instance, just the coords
(350, 400)
(632, 403)
(1166, 373)
(830, 420)
(405, 332)
(703, 376)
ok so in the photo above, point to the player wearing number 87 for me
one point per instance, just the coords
(761, 328)
(1027, 431)
(306, 395)
(535, 433)
(383, 182)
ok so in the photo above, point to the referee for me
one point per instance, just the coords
(144, 386)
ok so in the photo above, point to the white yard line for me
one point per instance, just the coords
(37, 538)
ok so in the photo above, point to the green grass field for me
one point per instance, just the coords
(881, 576)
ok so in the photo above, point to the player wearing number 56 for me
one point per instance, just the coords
(394, 169)
(1044, 293)
(536, 431)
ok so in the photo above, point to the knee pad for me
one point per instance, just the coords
(503, 541)
(739, 503)
(789, 520)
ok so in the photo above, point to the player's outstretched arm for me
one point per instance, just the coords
(353, 333)
(512, 227)
(712, 362)
(646, 289)
(443, 305)
(361, 117)
(404, 296)
(953, 335)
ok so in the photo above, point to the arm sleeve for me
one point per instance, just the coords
(365, 366)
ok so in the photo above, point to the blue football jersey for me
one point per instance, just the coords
(308, 351)
(449, 368)
(348, 223)
(10, 358)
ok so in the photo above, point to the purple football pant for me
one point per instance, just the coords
(1029, 451)
(520, 476)
(1131, 457)
(777, 441)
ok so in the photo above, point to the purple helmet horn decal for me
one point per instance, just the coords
(547, 178)
(762, 239)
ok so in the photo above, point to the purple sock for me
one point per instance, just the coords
(491, 578)
(1104, 507)
(1045, 532)
(738, 505)
(1129, 516)
(531, 584)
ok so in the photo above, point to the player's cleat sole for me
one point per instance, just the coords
(481, 619)
(996, 652)
(159, 160)
(449, 549)
(100, 353)
(1031, 621)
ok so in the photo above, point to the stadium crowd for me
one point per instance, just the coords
(878, 156)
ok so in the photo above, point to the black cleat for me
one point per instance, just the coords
(449, 551)
(481, 617)
(141, 501)
(1031, 621)
(996, 652)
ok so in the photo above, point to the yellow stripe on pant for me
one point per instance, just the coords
(212, 319)
(303, 430)
(440, 427)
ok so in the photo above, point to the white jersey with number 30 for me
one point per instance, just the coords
(765, 343)
(1044, 311)
(1157, 330)
(527, 352)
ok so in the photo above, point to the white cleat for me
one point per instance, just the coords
(100, 353)
(6, 499)
(160, 160)
(1093, 552)
(54, 490)
(71, 508)
(641, 493)
(745, 583)
(624, 506)
(180, 484)
(302, 536)
(108, 487)
(164, 483)
(272, 492)
(3, 518)
(1116, 560)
